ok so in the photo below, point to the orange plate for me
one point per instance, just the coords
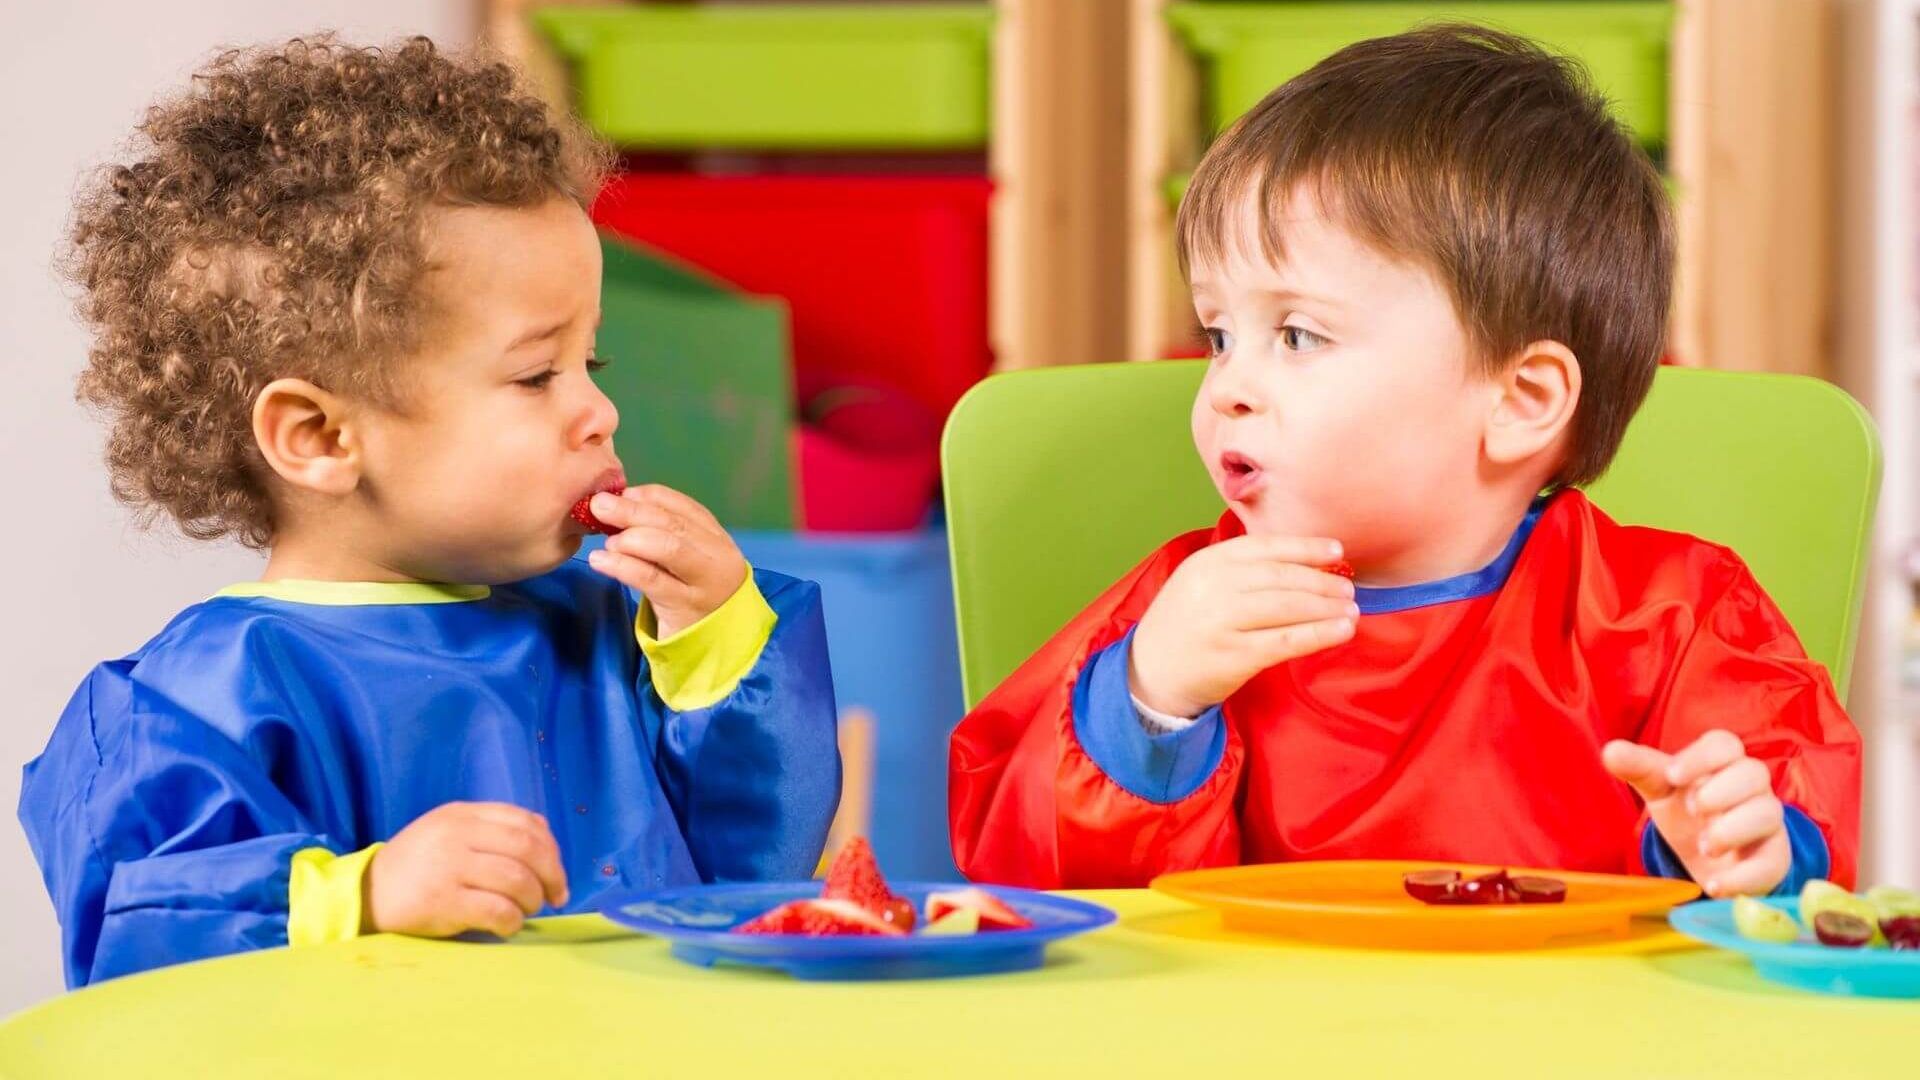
(1362, 904)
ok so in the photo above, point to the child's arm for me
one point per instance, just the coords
(739, 693)
(162, 839)
(1055, 781)
(1748, 765)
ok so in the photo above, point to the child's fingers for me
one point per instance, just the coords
(1295, 577)
(649, 579)
(664, 497)
(1301, 550)
(534, 849)
(1755, 873)
(1748, 823)
(1285, 643)
(1731, 786)
(1709, 754)
(625, 513)
(1273, 610)
(510, 878)
(1643, 767)
(479, 909)
(660, 547)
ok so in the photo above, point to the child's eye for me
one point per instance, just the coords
(1300, 339)
(1218, 340)
(537, 382)
(597, 362)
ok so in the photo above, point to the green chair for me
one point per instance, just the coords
(1060, 480)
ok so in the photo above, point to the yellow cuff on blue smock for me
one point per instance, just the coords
(701, 665)
(324, 895)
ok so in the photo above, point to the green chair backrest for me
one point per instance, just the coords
(1060, 480)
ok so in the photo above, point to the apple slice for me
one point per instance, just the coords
(994, 912)
(956, 923)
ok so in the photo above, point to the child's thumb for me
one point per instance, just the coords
(1641, 766)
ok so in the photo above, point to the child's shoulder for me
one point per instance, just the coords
(1640, 562)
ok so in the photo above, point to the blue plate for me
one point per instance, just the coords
(698, 920)
(1807, 965)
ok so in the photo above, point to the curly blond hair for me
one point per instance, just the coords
(273, 225)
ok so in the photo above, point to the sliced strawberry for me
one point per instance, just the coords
(583, 513)
(994, 912)
(855, 876)
(820, 918)
(1343, 568)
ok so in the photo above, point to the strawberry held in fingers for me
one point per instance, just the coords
(582, 512)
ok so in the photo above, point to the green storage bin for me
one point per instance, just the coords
(861, 76)
(1252, 48)
(702, 376)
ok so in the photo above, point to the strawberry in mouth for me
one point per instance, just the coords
(1240, 476)
(611, 483)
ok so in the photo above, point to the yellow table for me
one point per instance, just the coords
(1166, 992)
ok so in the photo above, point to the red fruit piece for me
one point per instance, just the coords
(994, 912)
(1343, 568)
(583, 513)
(1539, 890)
(1841, 930)
(899, 912)
(855, 876)
(1431, 886)
(1494, 888)
(1902, 932)
(820, 918)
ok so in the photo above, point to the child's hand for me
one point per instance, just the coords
(1234, 610)
(1716, 809)
(670, 549)
(464, 866)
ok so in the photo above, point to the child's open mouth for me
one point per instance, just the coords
(1241, 476)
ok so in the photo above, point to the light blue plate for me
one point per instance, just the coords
(698, 920)
(1806, 965)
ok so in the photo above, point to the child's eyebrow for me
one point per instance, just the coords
(538, 334)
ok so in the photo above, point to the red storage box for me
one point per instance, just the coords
(886, 276)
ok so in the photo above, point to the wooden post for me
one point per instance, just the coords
(1057, 157)
(1754, 154)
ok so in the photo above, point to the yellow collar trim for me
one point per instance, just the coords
(357, 593)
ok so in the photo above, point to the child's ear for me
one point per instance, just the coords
(303, 433)
(1534, 400)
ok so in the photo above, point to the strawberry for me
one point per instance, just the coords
(994, 912)
(1343, 568)
(820, 918)
(583, 513)
(855, 876)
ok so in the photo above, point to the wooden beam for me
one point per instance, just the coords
(1754, 154)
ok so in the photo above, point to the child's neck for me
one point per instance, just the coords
(1473, 538)
(307, 555)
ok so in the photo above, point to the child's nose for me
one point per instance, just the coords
(598, 423)
(1231, 392)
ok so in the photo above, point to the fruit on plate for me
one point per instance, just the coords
(994, 912)
(856, 900)
(1820, 896)
(1431, 886)
(1902, 932)
(855, 876)
(1892, 902)
(959, 921)
(1757, 920)
(1840, 929)
(820, 918)
(1449, 887)
(1532, 889)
